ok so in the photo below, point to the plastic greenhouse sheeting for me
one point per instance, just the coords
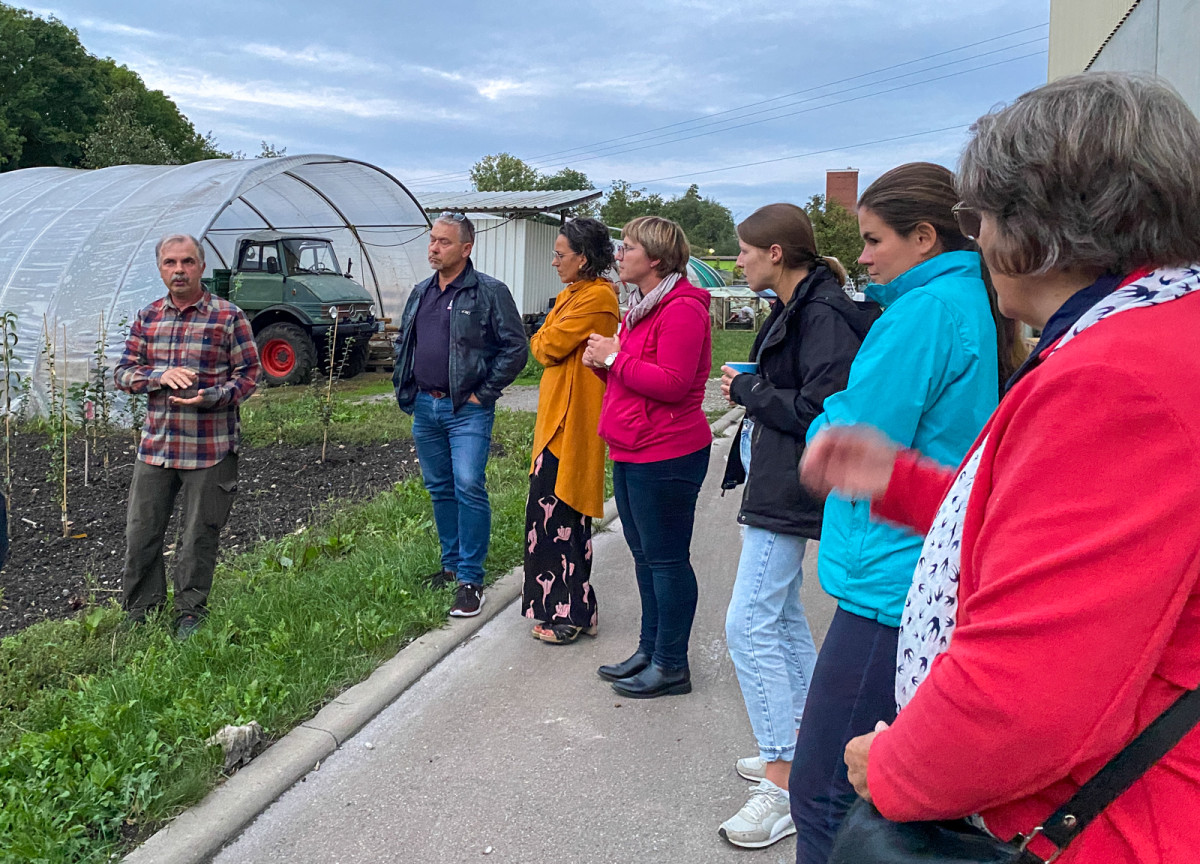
(77, 245)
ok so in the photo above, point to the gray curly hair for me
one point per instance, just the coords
(1097, 171)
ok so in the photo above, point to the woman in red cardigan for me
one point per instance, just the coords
(1055, 610)
(652, 418)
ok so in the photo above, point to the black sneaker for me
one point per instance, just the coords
(468, 601)
(186, 626)
(441, 579)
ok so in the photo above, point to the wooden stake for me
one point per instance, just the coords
(66, 381)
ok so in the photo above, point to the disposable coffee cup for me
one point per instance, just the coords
(743, 368)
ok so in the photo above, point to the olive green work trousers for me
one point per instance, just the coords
(207, 499)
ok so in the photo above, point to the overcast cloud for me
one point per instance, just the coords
(619, 90)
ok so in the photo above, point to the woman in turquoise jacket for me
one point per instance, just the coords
(928, 377)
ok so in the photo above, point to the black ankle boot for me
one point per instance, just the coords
(655, 681)
(626, 668)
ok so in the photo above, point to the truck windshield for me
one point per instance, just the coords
(311, 256)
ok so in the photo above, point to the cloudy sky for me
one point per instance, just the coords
(753, 99)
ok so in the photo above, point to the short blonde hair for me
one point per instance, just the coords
(663, 240)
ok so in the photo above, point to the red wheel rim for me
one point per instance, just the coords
(278, 358)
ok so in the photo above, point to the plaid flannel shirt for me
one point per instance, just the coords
(211, 336)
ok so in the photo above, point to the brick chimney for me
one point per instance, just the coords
(842, 187)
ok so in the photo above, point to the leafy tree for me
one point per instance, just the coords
(623, 203)
(153, 109)
(503, 173)
(55, 96)
(270, 151)
(567, 178)
(707, 223)
(51, 91)
(121, 139)
(836, 230)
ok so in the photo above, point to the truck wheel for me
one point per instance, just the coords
(356, 358)
(286, 353)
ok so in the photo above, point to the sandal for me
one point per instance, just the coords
(563, 634)
(538, 629)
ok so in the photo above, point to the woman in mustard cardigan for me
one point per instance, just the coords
(566, 482)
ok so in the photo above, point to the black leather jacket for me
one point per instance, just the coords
(804, 352)
(488, 348)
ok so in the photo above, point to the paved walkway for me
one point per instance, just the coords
(516, 750)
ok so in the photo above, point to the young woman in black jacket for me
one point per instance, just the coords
(803, 351)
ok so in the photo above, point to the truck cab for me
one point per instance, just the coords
(296, 296)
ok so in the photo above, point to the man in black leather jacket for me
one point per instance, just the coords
(461, 343)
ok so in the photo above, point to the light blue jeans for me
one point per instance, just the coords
(768, 636)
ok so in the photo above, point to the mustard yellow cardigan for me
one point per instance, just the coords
(570, 394)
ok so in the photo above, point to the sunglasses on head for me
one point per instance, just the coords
(968, 218)
(457, 217)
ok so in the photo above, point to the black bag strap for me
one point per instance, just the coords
(1137, 757)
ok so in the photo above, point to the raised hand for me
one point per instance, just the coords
(856, 461)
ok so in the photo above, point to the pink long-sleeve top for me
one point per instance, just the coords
(653, 401)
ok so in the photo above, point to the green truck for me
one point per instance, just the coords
(293, 291)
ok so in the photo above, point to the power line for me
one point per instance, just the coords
(441, 178)
(818, 87)
(802, 155)
(621, 152)
(814, 108)
(823, 96)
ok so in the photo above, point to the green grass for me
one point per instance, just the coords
(729, 345)
(532, 373)
(102, 729)
(294, 418)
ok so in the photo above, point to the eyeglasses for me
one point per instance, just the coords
(559, 256)
(969, 220)
(455, 217)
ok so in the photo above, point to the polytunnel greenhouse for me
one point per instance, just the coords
(77, 247)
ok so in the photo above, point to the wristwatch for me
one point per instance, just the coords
(610, 360)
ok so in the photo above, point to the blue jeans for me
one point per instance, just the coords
(769, 641)
(657, 505)
(853, 687)
(453, 450)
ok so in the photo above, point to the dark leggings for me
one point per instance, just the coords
(657, 505)
(853, 688)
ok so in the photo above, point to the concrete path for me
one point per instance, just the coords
(516, 750)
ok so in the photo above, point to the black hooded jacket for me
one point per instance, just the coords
(804, 351)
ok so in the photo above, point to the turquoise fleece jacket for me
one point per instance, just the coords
(926, 377)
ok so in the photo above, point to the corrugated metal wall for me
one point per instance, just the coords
(518, 253)
(1077, 30)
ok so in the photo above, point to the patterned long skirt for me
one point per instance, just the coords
(558, 553)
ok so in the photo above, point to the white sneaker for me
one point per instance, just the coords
(765, 819)
(752, 768)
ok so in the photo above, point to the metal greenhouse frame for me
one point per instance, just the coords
(77, 245)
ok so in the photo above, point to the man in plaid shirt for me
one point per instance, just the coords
(194, 356)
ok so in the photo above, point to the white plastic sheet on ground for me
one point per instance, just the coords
(75, 245)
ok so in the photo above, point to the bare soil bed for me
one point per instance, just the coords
(280, 488)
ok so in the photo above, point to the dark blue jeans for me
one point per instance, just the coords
(452, 447)
(657, 504)
(853, 688)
